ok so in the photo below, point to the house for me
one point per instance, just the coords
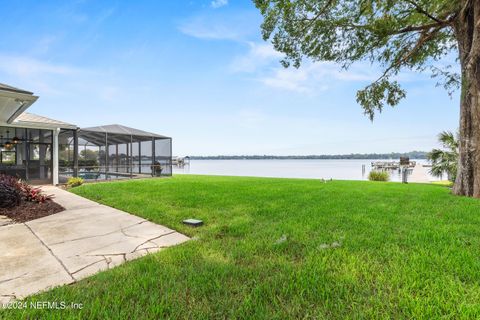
(46, 151)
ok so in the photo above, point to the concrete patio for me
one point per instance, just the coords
(68, 246)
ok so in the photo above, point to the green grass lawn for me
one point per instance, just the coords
(288, 248)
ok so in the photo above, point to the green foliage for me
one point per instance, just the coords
(74, 182)
(88, 154)
(378, 94)
(445, 161)
(85, 163)
(88, 163)
(34, 194)
(375, 175)
(9, 195)
(87, 159)
(14, 190)
(286, 249)
(376, 156)
(397, 35)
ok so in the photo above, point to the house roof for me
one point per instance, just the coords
(13, 102)
(36, 120)
(123, 130)
(6, 87)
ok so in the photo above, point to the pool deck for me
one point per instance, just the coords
(74, 244)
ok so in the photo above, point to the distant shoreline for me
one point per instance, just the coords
(420, 155)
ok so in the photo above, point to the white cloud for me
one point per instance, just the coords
(218, 3)
(221, 26)
(48, 79)
(258, 55)
(37, 75)
(199, 28)
(314, 76)
(288, 79)
(262, 61)
(29, 67)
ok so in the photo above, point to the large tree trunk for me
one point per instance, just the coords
(467, 29)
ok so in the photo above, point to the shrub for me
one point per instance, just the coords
(10, 180)
(74, 182)
(10, 191)
(378, 176)
(445, 160)
(10, 196)
(34, 194)
(25, 191)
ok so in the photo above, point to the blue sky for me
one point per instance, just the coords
(199, 71)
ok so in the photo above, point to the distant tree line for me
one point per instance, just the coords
(392, 156)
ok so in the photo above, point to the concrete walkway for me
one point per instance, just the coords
(68, 246)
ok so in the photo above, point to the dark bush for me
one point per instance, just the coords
(10, 180)
(10, 196)
(89, 163)
(23, 189)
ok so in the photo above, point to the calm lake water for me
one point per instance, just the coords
(315, 169)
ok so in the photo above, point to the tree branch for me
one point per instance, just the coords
(407, 29)
(423, 11)
(424, 37)
(320, 12)
(424, 27)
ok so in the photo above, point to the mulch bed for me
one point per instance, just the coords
(27, 210)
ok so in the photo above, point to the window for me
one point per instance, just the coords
(8, 157)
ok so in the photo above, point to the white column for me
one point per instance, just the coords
(55, 156)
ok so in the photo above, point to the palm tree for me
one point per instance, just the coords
(445, 160)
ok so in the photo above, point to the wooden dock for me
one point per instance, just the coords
(180, 161)
(419, 174)
(391, 165)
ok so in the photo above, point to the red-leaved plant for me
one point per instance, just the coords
(27, 192)
(33, 194)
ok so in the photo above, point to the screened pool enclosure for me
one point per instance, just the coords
(42, 150)
(113, 152)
